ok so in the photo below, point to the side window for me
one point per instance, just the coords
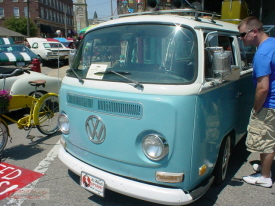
(35, 45)
(247, 54)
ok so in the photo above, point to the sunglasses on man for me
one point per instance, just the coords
(245, 33)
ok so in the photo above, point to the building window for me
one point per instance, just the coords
(1, 0)
(14, 0)
(42, 13)
(46, 13)
(51, 15)
(16, 12)
(24, 0)
(2, 12)
(26, 12)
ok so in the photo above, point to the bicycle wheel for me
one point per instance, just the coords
(3, 136)
(46, 113)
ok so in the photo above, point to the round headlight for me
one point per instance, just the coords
(64, 124)
(154, 146)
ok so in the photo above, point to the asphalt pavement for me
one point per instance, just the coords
(55, 70)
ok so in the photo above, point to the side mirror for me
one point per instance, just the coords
(221, 66)
(221, 62)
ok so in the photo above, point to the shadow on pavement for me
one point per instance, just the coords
(54, 64)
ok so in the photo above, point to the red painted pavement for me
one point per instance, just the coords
(13, 178)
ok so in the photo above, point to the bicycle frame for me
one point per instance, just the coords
(20, 102)
(42, 115)
(23, 101)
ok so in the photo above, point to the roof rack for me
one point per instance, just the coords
(181, 12)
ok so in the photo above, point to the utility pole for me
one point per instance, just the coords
(65, 20)
(28, 18)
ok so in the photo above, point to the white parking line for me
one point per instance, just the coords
(41, 168)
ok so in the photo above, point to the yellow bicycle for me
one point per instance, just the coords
(43, 113)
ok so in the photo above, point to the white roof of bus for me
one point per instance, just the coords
(168, 18)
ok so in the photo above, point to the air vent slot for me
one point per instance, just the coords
(112, 107)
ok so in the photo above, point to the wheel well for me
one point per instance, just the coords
(232, 136)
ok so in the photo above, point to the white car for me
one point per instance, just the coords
(49, 50)
(18, 83)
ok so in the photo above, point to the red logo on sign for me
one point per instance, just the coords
(13, 178)
(86, 181)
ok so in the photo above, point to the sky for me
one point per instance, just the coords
(102, 8)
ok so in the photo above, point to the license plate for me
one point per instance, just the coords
(20, 64)
(92, 184)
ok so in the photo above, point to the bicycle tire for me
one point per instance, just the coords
(46, 113)
(3, 136)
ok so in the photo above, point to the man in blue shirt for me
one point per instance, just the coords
(261, 128)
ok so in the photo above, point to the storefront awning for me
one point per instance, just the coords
(46, 28)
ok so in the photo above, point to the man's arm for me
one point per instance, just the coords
(261, 92)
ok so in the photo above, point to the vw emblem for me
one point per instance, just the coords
(95, 129)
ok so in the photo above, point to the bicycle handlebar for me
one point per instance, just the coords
(14, 72)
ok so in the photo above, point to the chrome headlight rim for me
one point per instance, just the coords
(64, 129)
(163, 145)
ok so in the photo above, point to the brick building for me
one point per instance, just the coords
(48, 15)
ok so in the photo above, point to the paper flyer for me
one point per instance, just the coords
(96, 71)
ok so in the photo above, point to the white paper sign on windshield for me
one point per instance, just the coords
(96, 71)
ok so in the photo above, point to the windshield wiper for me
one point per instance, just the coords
(77, 76)
(113, 72)
(120, 73)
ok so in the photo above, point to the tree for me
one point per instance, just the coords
(20, 25)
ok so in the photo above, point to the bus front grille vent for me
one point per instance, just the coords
(112, 107)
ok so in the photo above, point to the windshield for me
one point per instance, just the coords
(52, 45)
(154, 54)
(14, 49)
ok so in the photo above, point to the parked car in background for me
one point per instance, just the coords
(69, 44)
(18, 84)
(50, 50)
(16, 54)
(6, 40)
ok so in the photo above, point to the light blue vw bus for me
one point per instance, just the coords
(153, 104)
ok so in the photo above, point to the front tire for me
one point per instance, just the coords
(3, 136)
(46, 114)
(222, 162)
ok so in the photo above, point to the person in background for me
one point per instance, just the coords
(26, 43)
(261, 128)
(77, 42)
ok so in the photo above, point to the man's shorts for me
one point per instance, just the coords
(261, 132)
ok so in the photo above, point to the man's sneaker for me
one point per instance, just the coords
(258, 179)
(257, 168)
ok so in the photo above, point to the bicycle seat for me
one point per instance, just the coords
(38, 83)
